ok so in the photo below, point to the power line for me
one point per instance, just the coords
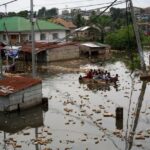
(7, 3)
(119, 2)
(66, 2)
(90, 5)
(107, 6)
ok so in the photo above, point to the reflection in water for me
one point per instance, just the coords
(14, 122)
(137, 114)
(119, 118)
(99, 87)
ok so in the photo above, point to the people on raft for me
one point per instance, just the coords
(100, 75)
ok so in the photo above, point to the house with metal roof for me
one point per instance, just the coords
(94, 48)
(87, 33)
(18, 92)
(18, 30)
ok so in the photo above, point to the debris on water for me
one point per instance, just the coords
(96, 142)
(26, 133)
(139, 137)
(139, 145)
(107, 114)
(17, 146)
(68, 110)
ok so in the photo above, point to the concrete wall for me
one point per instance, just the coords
(4, 102)
(63, 53)
(49, 36)
(22, 99)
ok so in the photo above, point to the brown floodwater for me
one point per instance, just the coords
(82, 116)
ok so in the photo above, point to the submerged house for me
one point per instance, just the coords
(49, 52)
(17, 92)
(17, 30)
(94, 49)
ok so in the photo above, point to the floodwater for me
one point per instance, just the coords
(83, 117)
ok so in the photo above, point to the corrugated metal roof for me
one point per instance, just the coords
(20, 24)
(82, 28)
(39, 46)
(66, 24)
(12, 84)
(94, 44)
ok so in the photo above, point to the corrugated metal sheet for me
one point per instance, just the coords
(82, 28)
(39, 47)
(92, 44)
(13, 84)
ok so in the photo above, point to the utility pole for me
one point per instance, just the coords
(1, 61)
(33, 39)
(1, 64)
(138, 40)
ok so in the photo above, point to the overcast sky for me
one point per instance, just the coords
(62, 4)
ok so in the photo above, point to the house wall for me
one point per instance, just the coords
(49, 36)
(4, 102)
(63, 53)
(22, 99)
(25, 36)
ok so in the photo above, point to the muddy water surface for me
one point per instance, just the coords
(83, 117)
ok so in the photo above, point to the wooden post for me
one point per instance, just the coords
(119, 118)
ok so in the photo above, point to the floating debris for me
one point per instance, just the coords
(107, 114)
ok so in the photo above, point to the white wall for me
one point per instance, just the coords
(49, 36)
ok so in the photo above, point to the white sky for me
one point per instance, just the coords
(61, 4)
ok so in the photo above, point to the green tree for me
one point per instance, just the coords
(79, 20)
(101, 22)
(23, 13)
(42, 12)
(146, 40)
(122, 39)
(11, 14)
(51, 12)
(120, 18)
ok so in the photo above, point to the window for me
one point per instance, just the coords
(30, 37)
(55, 36)
(42, 36)
(4, 37)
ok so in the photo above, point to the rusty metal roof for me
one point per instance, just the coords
(12, 84)
(41, 46)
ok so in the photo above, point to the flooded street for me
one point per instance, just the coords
(83, 117)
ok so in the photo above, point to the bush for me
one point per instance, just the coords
(122, 39)
(146, 40)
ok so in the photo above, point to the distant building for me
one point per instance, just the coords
(138, 10)
(145, 27)
(87, 33)
(67, 24)
(18, 30)
(147, 10)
